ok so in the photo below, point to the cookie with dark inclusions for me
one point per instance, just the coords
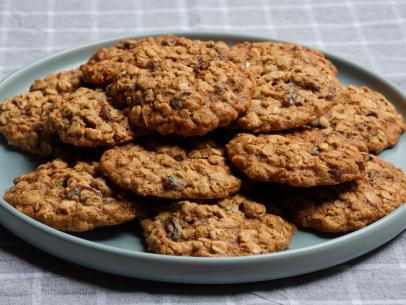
(305, 158)
(233, 226)
(366, 118)
(23, 119)
(87, 119)
(72, 197)
(174, 84)
(144, 53)
(295, 85)
(349, 206)
(193, 88)
(196, 170)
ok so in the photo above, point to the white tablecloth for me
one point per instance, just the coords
(371, 33)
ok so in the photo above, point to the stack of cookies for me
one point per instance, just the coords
(216, 150)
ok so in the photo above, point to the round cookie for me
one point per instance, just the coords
(71, 198)
(233, 226)
(189, 88)
(22, 122)
(303, 158)
(349, 206)
(196, 170)
(59, 83)
(295, 85)
(366, 118)
(144, 53)
(86, 119)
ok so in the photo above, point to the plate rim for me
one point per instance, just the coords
(287, 254)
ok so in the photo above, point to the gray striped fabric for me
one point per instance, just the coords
(370, 32)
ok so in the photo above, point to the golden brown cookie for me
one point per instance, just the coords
(295, 85)
(348, 206)
(72, 198)
(22, 122)
(87, 119)
(366, 118)
(233, 226)
(144, 53)
(182, 86)
(196, 170)
(61, 82)
(304, 158)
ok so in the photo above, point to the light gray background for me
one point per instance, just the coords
(369, 32)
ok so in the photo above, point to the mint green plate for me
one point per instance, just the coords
(120, 250)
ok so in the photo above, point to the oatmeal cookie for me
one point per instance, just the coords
(196, 170)
(22, 122)
(87, 119)
(71, 198)
(366, 118)
(233, 226)
(144, 53)
(295, 85)
(307, 157)
(193, 88)
(348, 206)
(61, 82)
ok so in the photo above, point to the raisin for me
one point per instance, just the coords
(91, 189)
(221, 56)
(367, 157)
(291, 101)
(172, 183)
(105, 114)
(335, 174)
(136, 87)
(314, 87)
(176, 102)
(179, 157)
(74, 193)
(315, 151)
(201, 65)
(172, 228)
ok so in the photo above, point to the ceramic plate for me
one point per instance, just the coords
(120, 249)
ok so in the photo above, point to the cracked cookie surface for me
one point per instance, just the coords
(295, 85)
(234, 226)
(71, 198)
(306, 157)
(197, 170)
(349, 206)
(87, 119)
(366, 118)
